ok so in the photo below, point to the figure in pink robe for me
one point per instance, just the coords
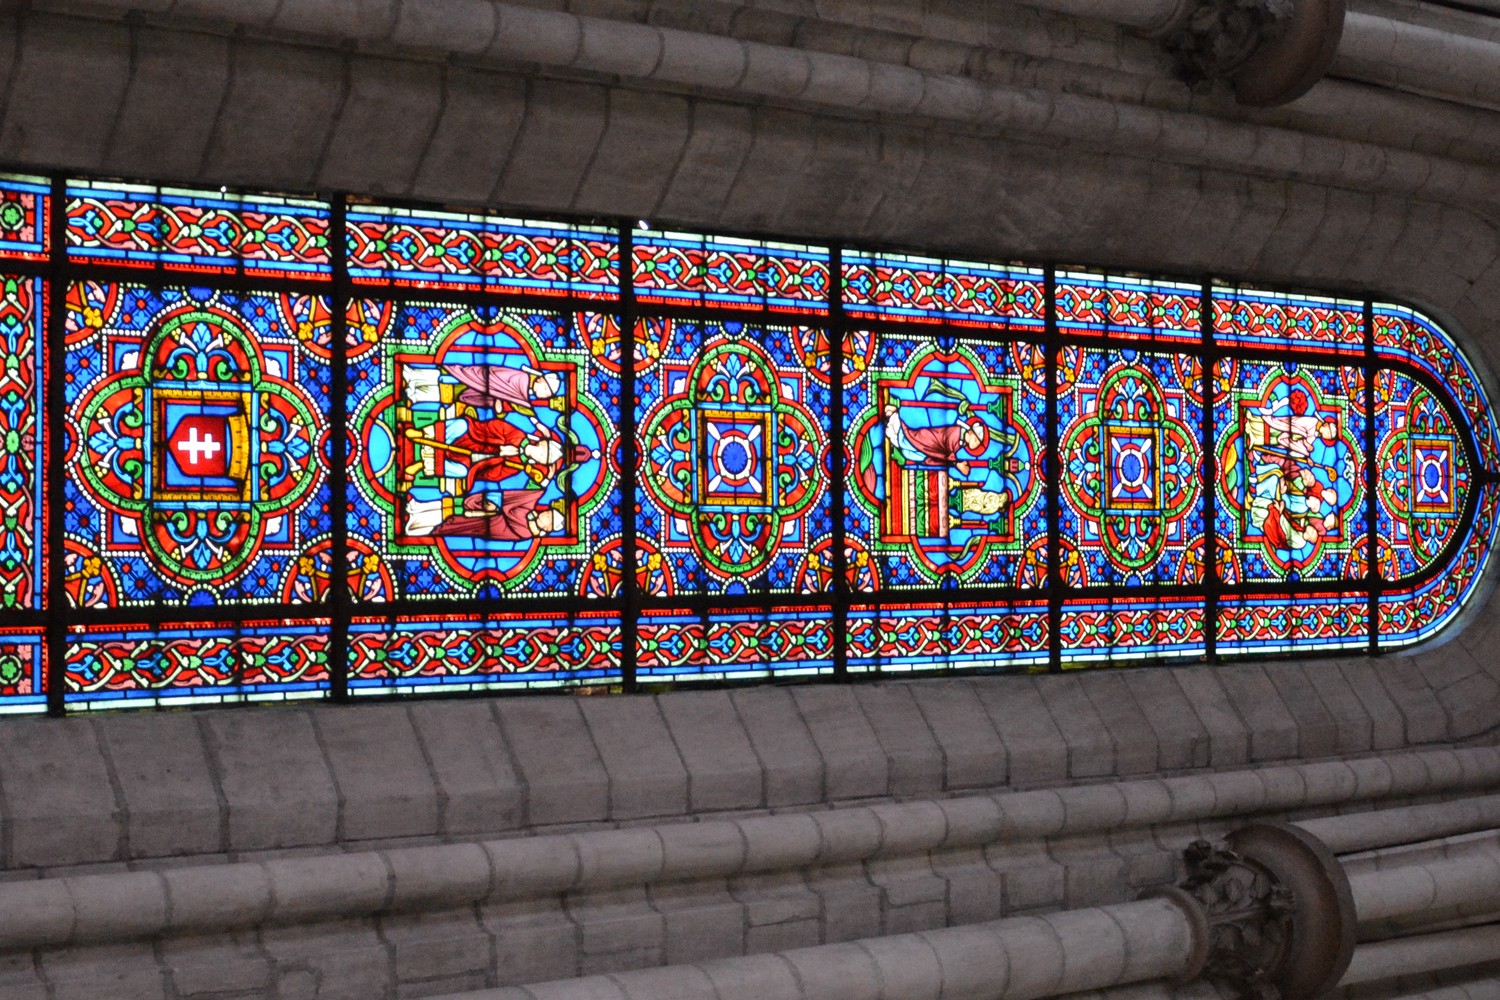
(499, 516)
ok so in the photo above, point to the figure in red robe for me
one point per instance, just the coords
(470, 452)
(943, 446)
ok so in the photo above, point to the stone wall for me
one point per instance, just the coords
(425, 848)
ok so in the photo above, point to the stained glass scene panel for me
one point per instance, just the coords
(1252, 318)
(1422, 471)
(25, 212)
(1404, 334)
(196, 465)
(724, 644)
(1417, 613)
(1289, 439)
(732, 420)
(1130, 427)
(1134, 308)
(947, 483)
(692, 269)
(1126, 629)
(203, 231)
(23, 672)
(23, 556)
(196, 663)
(1286, 623)
(906, 638)
(426, 248)
(483, 454)
(929, 290)
(500, 651)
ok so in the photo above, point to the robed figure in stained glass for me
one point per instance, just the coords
(493, 387)
(951, 458)
(491, 465)
(504, 515)
(1300, 474)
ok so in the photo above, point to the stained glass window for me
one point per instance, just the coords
(1289, 443)
(140, 226)
(23, 315)
(690, 268)
(496, 651)
(198, 420)
(257, 447)
(1131, 423)
(927, 290)
(431, 249)
(732, 420)
(25, 217)
(947, 469)
(484, 459)
(186, 663)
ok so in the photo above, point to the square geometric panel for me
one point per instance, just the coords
(1130, 432)
(1132, 473)
(732, 421)
(25, 214)
(1432, 477)
(23, 672)
(733, 460)
(197, 470)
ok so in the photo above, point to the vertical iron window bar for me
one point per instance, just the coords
(1208, 381)
(837, 453)
(1052, 351)
(1372, 513)
(630, 596)
(339, 599)
(54, 426)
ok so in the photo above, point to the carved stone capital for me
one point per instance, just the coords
(1273, 51)
(1274, 912)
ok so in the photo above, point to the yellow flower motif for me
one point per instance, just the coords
(93, 318)
(91, 566)
(369, 333)
(304, 330)
(370, 563)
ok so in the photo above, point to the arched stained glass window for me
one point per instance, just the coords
(261, 447)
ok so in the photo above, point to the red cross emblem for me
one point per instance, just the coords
(200, 445)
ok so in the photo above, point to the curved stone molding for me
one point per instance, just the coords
(1272, 50)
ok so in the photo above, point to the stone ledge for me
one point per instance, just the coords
(902, 837)
(243, 780)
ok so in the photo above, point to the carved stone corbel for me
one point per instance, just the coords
(1272, 913)
(1272, 51)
